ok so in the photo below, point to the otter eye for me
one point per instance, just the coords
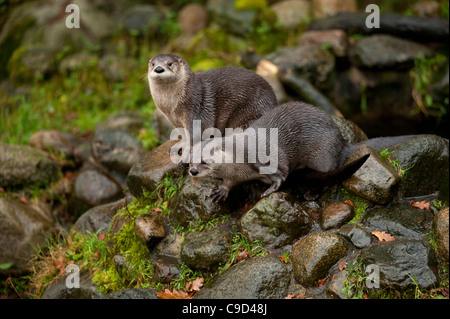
(153, 64)
(169, 64)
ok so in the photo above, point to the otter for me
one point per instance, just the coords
(308, 141)
(226, 97)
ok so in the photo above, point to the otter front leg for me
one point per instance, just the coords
(276, 183)
(221, 193)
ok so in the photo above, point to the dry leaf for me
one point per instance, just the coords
(422, 205)
(157, 209)
(23, 200)
(350, 202)
(293, 296)
(101, 236)
(381, 235)
(195, 285)
(342, 265)
(283, 259)
(321, 282)
(2, 190)
(243, 255)
(174, 294)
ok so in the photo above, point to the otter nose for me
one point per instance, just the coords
(159, 69)
(193, 171)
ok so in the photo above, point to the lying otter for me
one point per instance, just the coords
(308, 139)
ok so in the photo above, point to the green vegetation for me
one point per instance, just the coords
(360, 205)
(386, 154)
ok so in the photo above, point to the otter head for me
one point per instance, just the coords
(166, 68)
(207, 161)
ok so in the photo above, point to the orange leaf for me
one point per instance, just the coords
(293, 296)
(321, 282)
(195, 285)
(174, 294)
(157, 209)
(342, 265)
(348, 201)
(101, 236)
(381, 235)
(421, 205)
(243, 255)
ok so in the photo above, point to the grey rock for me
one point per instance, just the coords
(375, 180)
(237, 22)
(256, 278)
(206, 250)
(116, 149)
(291, 13)
(132, 293)
(165, 268)
(59, 290)
(60, 143)
(99, 218)
(336, 286)
(151, 169)
(335, 215)
(314, 255)
(399, 260)
(399, 220)
(336, 39)
(386, 51)
(192, 17)
(426, 159)
(21, 228)
(24, 165)
(276, 221)
(142, 18)
(357, 235)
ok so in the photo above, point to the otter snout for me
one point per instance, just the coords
(159, 69)
(193, 172)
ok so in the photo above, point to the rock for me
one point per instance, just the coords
(59, 290)
(291, 13)
(29, 63)
(132, 293)
(276, 221)
(171, 244)
(77, 62)
(336, 287)
(192, 202)
(24, 165)
(143, 19)
(162, 125)
(207, 250)
(337, 40)
(313, 255)
(357, 235)
(427, 9)
(112, 67)
(441, 230)
(269, 72)
(22, 227)
(54, 142)
(426, 158)
(255, 278)
(99, 218)
(165, 268)
(93, 188)
(399, 260)
(310, 62)
(375, 180)
(192, 17)
(387, 52)
(149, 228)
(399, 220)
(116, 149)
(335, 215)
(151, 169)
(326, 8)
(123, 121)
(237, 22)
(350, 131)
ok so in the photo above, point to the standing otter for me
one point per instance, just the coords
(308, 140)
(227, 97)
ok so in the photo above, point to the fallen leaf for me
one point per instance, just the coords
(283, 259)
(157, 209)
(195, 285)
(243, 255)
(381, 235)
(2, 190)
(23, 200)
(321, 282)
(342, 265)
(348, 201)
(422, 205)
(101, 236)
(174, 294)
(294, 296)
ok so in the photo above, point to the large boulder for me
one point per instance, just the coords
(22, 227)
(425, 158)
(24, 165)
(256, 278)
(441, 231)
(402, 263)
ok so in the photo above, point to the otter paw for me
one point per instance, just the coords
(219, 194)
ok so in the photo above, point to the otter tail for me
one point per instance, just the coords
(315, 178)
